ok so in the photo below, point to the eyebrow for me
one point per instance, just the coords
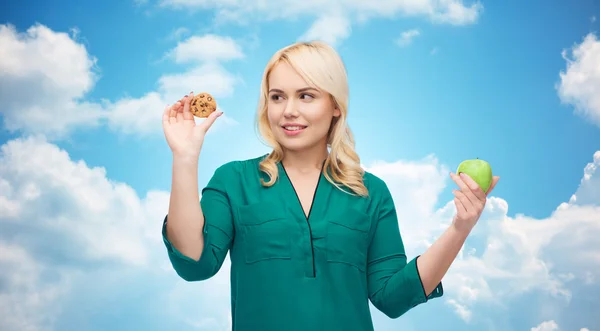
(305, 89)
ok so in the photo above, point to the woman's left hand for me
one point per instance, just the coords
(469, 200)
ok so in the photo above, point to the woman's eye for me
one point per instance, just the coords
(275, 97)
(306, 96)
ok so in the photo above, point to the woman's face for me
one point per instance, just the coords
(299, 115)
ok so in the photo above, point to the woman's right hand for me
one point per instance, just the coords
(183, 134)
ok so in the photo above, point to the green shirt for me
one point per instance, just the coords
(296, 273)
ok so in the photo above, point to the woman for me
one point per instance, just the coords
(312, 237)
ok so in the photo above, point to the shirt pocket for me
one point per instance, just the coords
(265, 232)
(347, 239)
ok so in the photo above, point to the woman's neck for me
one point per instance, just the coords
(306, 160)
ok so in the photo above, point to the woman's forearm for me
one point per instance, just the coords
(435, 262)
(185, 219)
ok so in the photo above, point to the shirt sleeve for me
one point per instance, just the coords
(218, 233)
(395, 286)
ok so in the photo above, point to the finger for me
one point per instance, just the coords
(173, 114)
(183, 100)
(208, 122)
(460, 209)
(475, 188)
(166, 112)
(494, 182)
(465, 203)
(180, 112)
(187, 114)
(464, 188)
(174, 108)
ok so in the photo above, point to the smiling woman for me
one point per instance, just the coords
(312, 236)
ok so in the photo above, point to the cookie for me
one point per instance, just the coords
(202, 105)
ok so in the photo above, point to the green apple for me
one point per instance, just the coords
(479, 170)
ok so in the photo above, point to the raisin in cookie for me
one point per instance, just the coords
(202, 105)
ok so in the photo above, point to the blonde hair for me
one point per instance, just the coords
(321, 66)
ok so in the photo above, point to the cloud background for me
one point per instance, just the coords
(85, 171)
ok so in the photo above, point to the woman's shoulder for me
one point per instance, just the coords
(376, 186)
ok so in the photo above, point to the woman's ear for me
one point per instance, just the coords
(336, 107)
(336, 112)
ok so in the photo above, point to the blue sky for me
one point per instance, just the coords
(85, 171)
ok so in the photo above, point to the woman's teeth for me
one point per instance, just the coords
(294, 128)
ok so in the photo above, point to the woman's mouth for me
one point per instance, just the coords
(292, 130)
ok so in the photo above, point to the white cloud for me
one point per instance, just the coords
(329, 14)
(63, 212)
(523, 255)
(71, 226)
(331, 28)
(206, 77)
(207, 48)
(406, 37)
(551, 326)
(211, 309)
(580, 82)
(207, 74)
(415, 186)
(25, 304)
(546, 326)
(178, 34)
(447, 11)
(45, 76)
(505, 258)
(588, 192)
(67, 199)
(131, 115)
